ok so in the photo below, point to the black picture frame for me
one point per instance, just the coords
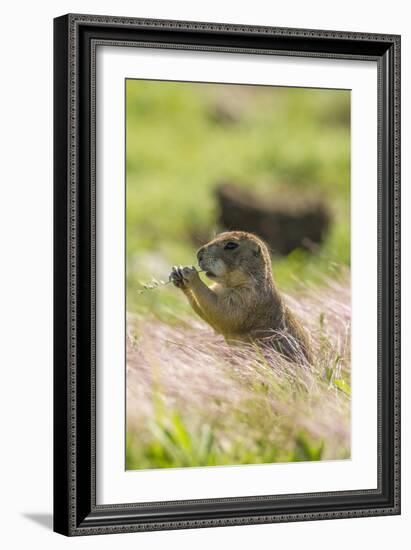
(76, 38)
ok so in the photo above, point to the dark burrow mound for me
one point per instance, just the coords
(285, 220)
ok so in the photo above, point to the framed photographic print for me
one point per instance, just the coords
(227, 280)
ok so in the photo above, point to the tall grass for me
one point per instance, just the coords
(193, 400)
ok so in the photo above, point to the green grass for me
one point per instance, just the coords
(174, 445)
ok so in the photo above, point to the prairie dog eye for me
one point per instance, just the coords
(230, 246)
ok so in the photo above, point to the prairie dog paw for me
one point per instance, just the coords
(182, 277)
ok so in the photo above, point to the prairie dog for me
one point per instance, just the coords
(243, 302)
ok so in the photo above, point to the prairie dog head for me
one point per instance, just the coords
(235, 258)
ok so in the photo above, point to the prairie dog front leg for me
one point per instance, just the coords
(205, 302)
(184, 278)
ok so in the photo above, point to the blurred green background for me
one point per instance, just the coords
(185, 138)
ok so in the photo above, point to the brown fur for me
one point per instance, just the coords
(243, 302)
